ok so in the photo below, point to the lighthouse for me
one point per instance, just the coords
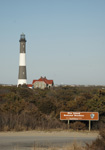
(22, 76)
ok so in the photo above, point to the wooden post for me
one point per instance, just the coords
(89, 125)
(68, 123)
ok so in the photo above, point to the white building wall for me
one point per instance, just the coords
(39, 84)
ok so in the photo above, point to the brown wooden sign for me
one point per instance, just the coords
(79, 116)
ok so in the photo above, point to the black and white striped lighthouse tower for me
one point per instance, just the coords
(22, 76)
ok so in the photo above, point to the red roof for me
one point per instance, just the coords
(34, 81)
(29, 85)
(43, 79)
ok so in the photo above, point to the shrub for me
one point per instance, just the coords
(99, 143)
(46, 107)
(78, 125)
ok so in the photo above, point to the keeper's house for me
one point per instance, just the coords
(42, 83)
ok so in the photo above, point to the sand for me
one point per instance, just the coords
(64, 133)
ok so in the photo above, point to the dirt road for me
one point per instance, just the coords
(28, 139)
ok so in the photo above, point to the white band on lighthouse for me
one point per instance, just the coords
(22, 81)
(22, 61)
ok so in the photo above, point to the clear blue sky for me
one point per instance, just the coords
(65, 40)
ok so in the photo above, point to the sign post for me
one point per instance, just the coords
(90, 116)
(68, 124)
(89, 125)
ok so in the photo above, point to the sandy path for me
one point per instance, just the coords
(52, 133)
